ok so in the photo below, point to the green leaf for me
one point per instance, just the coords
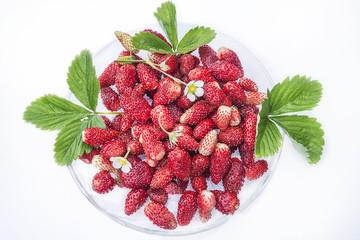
(82, 80)
(306, 131)
(51, 112)
(195, 38)
(150, 42)
(69, 145)
(268, 138)
(297, 94)
(166, 16)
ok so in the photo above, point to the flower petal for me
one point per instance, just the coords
(126, 168)
(191, 96)
(190, 83)
(199, 92)
(116, 164)
(186, 90)
(199, 84)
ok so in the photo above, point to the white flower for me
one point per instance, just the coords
(121, 162)
(194, 89)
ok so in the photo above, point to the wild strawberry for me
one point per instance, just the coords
(113, 148)
(180, 163)
(135, 199)
(235, 116)
(140, 88)
(154, 152)
(235, 177)
(172, 188)
(87, 157)
(208, 143)
(110, 99)
(175, 111)
(161, 177)
(166, 119)
(168, 91)
(187, 142)
(159, 35)
(125, 136)
(147, 76)
(223, 117)
(196, 113)
(118, 179)
(254, 98)
(203, 128)
(115, 123)
(235, 92)
(126, 77)
(232, 136)
(226, 202)
(227, 102)
(201, 73)
(107, 78)
(250, 130)
(198, 183)
(225, 71)
(220, 162)
(228, 55)
(158, 195)
(107, 122)
(199, 164)
(125, 40)
(135, 105)
(155, 57)
(207, 55)
(247, 109)
(168, 63)
(187, 63)
(103, 182)
(139, 176)
(183, 101)
(169, 146)
(247, 155)
(156, 131)
(133, 160)
(256, 169)
(103, 164)
(127, 53)
(160, 216)
(206, 202)
(135, 147)
(126, 121)
(97, 136)
(248, 85)
(213, 94)
(181, 183)
(187, 207)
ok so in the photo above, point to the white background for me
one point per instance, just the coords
(38, 40)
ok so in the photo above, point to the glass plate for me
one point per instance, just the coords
(112, 204)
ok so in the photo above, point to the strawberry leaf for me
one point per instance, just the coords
(150, 42)
(82, 80)
(195, 38)
(166, 16)
(51, 112)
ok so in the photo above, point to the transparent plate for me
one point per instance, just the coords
(112, 204)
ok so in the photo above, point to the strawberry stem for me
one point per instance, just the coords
(104, 113)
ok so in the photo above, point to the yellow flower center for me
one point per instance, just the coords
(122, 161)
(192, 89)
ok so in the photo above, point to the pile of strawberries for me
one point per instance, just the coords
(207, 132)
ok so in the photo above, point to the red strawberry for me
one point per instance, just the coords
(203, 128)
(169, 146)
(187, 207)
(187, 142)
(250, 130)
(139, 176)
(183, 101)
(232, 136)
(235, 177)
(140, 88)
(169, 63)
(207, 55)
(187, 63)
(247, 109)
(116, 122)
(225, 71)
(110, 99)
(135, 199)
(213, 94)
(220, 162)
(199, 164)
(125, 136)
(97, 136)
(182, 184)
(118, 179)
(155, 57)
(127, 53)
(180, 163)
(135, 105)
(208, 143)
(166, 119)
(161, 177)
(235, 92)
(103, 182)
(107, 78)
(175, 111)
(196, 113)
(138, 128)
(235, 116)
(103, 164)
(226, 202)
(201, 73)
(247, 156)
(227, 102)
(254, 98)
(256, 169)
(126, 77)
(147, 76)
(135, 147)
(172, 188)
(133, 160)
(155, 151)
(160, 216)
(228, 55)
(158, 195)
(107, 122)
(223, 117)
(168, 91)
(206, 202)
(159, 35)
(87, 157)
(248, 85)
(126, 121)
(198, 183)
(113, 148)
